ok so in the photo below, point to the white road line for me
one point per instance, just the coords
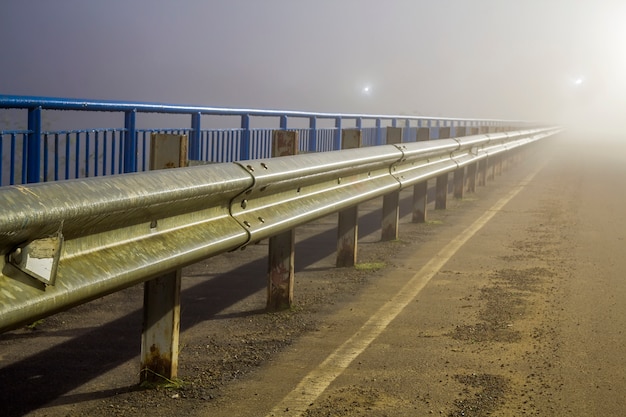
(316, 382)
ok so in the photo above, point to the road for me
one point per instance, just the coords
(511, 302)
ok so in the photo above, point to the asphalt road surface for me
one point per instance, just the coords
(510, 302)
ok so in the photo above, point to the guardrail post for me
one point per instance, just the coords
(498, 165)
(161, 302)
(472, 169)
(459, 174)
(347, 225)
(482, 172)
(281, 256)
(420, 190)
(391, 201)
(441, 191)
(33, 148)
(483, 165)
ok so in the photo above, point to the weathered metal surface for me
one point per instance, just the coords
(420, 200)
(118, 231)
(161, 300)
(391, 202)
(426, 160)
(423, 134)
(482, 172)
(122, 230)
(351, 138)
(441, 186)
(347, 222)
(420, 190)
(391, 216)
(347, 237)
(441, 192)
(39, 258)
(294, 190)
(161, 328)
(280, 271)
(459, 182)
(168, 151)
(472, 170)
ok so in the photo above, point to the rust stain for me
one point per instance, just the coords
(389, 233)
(279, 299)
(157, 367)
(345, 255)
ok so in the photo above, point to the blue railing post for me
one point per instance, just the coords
(195, 137)
(379, 132)
(244, 151)
(33, 148)
(406, 134)
(337, 138)
(359, 123)
(283, 122)
(130, 141)
(313, 134)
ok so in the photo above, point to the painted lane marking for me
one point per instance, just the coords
(316, 382)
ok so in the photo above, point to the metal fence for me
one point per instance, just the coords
(33, 154)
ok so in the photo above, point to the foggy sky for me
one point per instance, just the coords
(457, 58)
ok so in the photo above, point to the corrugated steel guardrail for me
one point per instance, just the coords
(118, 231)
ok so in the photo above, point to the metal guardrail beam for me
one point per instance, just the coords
(118, 231)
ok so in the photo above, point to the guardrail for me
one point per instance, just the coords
(65, 243)
(30, 152)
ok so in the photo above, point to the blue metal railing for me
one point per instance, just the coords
(32, 154)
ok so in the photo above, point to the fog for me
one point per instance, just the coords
(556, 61)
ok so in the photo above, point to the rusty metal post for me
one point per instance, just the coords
(441, 190)
(459, 182)
(391, 201)
(472, 169)
(161, 328)
(280, 270)
(423, 134)
(347, 226)
(161, 302)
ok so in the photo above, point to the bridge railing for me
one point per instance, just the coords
(31, 151)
